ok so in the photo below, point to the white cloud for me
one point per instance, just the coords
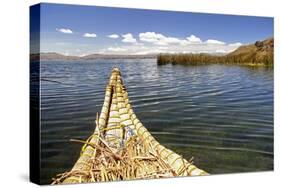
(171, 40)
(153, 43)
(212, 41)
(221, 51)
(113, 36)
(128, 38)
(185, 42)
(150, 37)
(235, 44)
(116, 49)
(64, 30)
(158, 38)
(163, 47)
(193, 39)
(90, 35)
(152, 48)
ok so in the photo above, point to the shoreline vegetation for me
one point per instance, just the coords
(258, 54)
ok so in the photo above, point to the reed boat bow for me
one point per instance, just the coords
(121, 148)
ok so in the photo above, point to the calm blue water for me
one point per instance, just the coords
(220, 115)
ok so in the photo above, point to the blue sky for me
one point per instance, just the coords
(80, 30)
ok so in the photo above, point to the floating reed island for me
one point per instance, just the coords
(260, 53)
(121, 148)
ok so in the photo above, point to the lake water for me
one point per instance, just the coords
(221, 115)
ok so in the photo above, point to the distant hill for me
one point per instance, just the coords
(113, 56)
(52, 56)
(57, 56)
(259, 53)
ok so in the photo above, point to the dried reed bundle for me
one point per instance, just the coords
(121, 148)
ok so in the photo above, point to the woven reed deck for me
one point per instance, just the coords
(121, 148)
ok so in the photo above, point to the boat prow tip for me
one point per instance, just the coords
(116, 69)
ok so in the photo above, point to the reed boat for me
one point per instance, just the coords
(121, 148)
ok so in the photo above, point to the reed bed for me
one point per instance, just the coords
(259, 53)
(206, 59)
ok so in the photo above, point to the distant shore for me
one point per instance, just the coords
(258, 54)
(52, 56)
